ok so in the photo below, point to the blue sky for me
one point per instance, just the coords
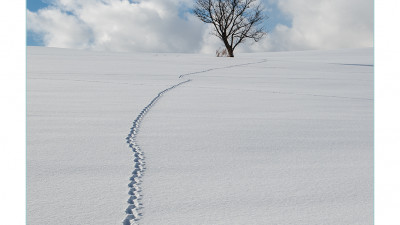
(31, 38)
(292, 25)
(34, 5)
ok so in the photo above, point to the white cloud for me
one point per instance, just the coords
(155, 26)
(322, 24)
(59, 29)
(118, 25)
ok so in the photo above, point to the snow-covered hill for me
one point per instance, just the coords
(266, 138)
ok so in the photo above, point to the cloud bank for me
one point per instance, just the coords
(324, 24)
(167, 26)
(146, 26)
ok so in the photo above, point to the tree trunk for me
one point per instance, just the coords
(228, 47)
(230, 51)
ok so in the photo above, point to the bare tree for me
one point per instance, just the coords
(234, 20)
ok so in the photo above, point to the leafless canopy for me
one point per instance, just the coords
(234, 20)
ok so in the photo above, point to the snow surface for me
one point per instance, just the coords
(263, 138)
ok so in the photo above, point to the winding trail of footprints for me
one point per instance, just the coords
(219, 68)
(133, 213)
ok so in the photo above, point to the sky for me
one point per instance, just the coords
(169, 25)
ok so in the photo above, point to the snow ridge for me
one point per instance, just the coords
(219, 68)
(134, 201)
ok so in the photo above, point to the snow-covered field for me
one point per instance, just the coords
(262, 138)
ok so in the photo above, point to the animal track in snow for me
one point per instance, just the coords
(218, 68)
(134, 201)
(133, 213)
